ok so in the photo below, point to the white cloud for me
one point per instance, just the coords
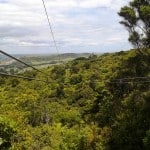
(75, 23)
(94, 3)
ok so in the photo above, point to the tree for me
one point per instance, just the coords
(7, 131)
(146, 140)
(136, 19)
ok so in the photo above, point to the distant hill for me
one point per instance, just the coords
(48, 58)
(38, 60)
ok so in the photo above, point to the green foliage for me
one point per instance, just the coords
(81, 108)
(7, 131)
(146, 140)
(136, 18)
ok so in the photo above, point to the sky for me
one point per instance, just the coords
(78, 25)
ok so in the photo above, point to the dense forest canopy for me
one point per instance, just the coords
(81, 108)
(93, 103)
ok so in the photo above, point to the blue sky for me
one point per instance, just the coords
(78, 26)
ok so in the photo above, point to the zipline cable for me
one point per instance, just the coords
(132, 78)
(122, 82)
(6, 54)
(22, 77)
(119, 81)
(51, 30)
(29, 78)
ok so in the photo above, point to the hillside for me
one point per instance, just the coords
(82, 105)
(41, 61)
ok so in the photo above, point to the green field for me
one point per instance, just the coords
(40, 61)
